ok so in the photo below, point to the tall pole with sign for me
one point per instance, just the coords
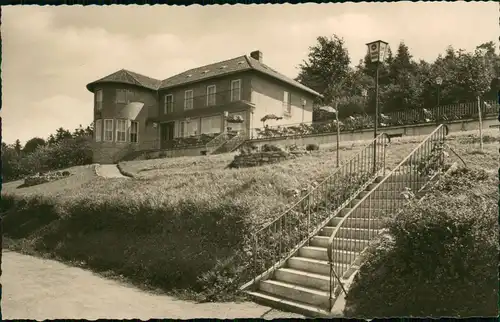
(376, 51)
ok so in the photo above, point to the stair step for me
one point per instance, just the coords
(296, 293)
(288, 305)
(404, 177)
(356, 222)
(382, 194)
(326, 231)
(321, 253)
(380, 203)
(303, 278)
(334, 222)
(354, 202)
(363, 212)
(340, 243)
(398, 186)
(357, 233)
(314, 252)
(311, 265)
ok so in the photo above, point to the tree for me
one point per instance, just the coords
(80, 131)
(60, 135)
(404, 87)
(33, 144)
(18, 147)
(327, 68)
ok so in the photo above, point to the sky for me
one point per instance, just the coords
(50, 53)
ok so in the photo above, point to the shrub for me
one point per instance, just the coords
(176, 246)
(270, 148)
(64, 154)
(247, 148)
(441, 258)
(312, 147)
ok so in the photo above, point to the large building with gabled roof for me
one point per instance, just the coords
(133, 112)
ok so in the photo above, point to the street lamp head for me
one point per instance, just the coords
(377, 50)
(439, 80)
(303, 101)
(364, 92)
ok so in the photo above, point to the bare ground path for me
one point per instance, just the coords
(39, 289)
(108, 171)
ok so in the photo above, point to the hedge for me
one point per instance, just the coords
(439, 257)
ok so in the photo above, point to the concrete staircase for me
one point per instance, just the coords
(302, 283)
(232, 144)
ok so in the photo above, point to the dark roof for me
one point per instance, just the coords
(238, 64)
(124, 76)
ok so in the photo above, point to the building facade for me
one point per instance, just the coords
(133, 112)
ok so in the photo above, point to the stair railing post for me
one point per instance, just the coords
(255, 258)
(330, 299)
(309, 212)
(385, 150)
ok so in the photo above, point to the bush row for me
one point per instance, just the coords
(170, 247)
(439, 258)
(64, 154)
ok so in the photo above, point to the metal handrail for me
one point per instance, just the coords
(368, 195)
(325, 180)
(318, 214)
(239, 136)
(217, 141)
(396, 118)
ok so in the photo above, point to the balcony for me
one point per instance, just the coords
(204, 105)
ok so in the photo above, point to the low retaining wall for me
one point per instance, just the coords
(185, 152)
(367, 134)
(258, 158)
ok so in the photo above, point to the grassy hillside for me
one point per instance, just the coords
(179, 223)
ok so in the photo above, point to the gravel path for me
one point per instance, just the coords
(108, 171)
(40, 289)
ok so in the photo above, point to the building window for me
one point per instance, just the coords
(123, 96)
(134, 131)
(287, 104)
(211, 92)
(98, 99)
(235, 90)
(98, 130)
(189, 128)
(108, 130)
(212, 124)
(188, 100)
(169, 104)
(121, 130)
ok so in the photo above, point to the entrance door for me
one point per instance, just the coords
(166, 134)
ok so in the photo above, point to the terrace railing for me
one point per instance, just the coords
(436, 115)
(278, 240)
(409, 177)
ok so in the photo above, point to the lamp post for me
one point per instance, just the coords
(439, 81)
(364, 94)
(376, 51)
(336, 111)
(303, 102)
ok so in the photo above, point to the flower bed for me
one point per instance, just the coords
(398, 118)
(191, 141)
(40, 178)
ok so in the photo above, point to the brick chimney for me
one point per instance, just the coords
(257, 55)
